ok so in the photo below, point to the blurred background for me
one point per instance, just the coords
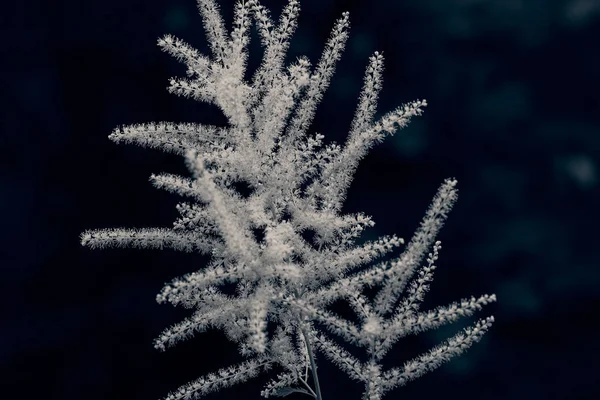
(513, 114)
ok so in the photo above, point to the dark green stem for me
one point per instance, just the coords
(313, 365)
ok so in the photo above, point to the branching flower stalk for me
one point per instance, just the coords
(313, 365)
(260, 241)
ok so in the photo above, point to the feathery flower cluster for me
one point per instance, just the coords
(297, 188)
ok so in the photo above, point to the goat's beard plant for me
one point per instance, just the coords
(297, 185)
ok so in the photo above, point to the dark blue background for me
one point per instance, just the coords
(514, 115)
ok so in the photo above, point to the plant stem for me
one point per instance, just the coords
(306, 385)
(313, 365)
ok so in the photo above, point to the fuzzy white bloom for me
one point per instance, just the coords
(372, 326)
(286, 246)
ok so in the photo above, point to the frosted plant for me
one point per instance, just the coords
(285, 245)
